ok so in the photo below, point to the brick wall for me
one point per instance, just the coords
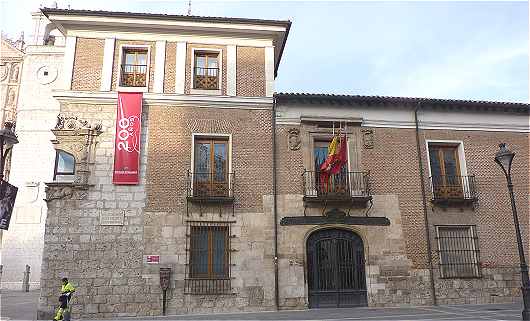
(169, 69)
(493, 213)
(250, 71)
(394, 169)
(88, 62)
(170, 135)
(290, 166)
(117, 64)
(189, 56)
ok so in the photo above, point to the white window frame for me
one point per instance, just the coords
(144, 89)
(461, 154)
(472, 229)
(217, 92)
(229, 154)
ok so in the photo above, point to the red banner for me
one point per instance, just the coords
(127, 142)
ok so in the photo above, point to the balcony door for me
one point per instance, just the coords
(210, 173)
(336, 185)
(445, 171)
(134, 68)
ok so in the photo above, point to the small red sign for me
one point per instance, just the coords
(153, 259)
(127, 142)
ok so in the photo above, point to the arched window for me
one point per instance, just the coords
(64, 166)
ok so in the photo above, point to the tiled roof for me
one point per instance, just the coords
(349, 99)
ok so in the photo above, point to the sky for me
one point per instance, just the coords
(454, 49)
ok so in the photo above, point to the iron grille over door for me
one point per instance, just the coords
(336, 275)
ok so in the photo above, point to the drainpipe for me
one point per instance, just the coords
(424, 200)
(275, 206)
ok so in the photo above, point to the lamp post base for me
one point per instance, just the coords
(526, 303)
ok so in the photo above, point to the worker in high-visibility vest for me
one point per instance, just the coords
(67, 289)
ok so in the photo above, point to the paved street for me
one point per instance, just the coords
(22, 306)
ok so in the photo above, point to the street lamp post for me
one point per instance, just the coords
(7, 138)
(504, 158)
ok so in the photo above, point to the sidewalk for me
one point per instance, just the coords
(18, 305)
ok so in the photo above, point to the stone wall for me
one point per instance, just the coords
(104, 262)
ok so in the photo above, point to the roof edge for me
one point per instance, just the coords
(48, 11)
(333, 98)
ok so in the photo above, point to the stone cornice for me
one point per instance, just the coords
(110, 98)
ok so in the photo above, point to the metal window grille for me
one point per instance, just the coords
(208, 256)
(458, 251)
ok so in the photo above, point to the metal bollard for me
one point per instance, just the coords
(25, 280)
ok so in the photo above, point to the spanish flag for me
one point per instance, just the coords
(337, 158)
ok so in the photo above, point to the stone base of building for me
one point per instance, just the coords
(497, 285)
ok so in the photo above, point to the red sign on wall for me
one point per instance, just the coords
(153, 259)
(127, 142)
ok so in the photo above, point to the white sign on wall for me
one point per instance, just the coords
(111, 217)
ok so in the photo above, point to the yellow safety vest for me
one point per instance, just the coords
(68, 287)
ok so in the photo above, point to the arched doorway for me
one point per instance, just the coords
(335, 268)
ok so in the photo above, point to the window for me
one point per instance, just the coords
(445, 171)
(458, 249)
(206, 70)
(209, 258)
(64, 166)
(134, 67)
(210, 173)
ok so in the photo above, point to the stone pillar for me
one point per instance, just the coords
(25, 279)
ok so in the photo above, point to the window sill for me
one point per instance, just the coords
(215, 92)
(133, 89)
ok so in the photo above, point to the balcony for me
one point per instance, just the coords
(351, 188)
(210, 187)
(453, 190)
(133, 75)
(206, 78)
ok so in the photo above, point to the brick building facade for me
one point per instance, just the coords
(230, 198)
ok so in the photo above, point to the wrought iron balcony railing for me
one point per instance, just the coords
(453, 188)
(133, 75)
(342, 186)
(206, 78)
(210, 186)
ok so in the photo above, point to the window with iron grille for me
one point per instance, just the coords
(134, 67)
(208, 269)
(206, 70)
(458, 251)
